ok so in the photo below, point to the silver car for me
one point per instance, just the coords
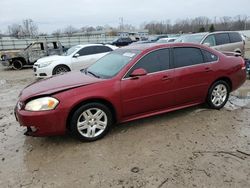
(224, 41)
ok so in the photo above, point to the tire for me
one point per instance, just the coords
(60, 69)
(91, 122)
(218, 94)
(17, 64)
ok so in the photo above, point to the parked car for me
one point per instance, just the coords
(76, 58)
(123, 41)
(152, 39)
(224, 41)
(31, 54)
(166, 40)
(127, 84)
(157, 37)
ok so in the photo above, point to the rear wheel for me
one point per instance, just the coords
(218, 94)
(17, 64)
(60, 69)
(91, 122)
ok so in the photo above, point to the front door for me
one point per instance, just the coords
(36, 51)
(151, 92)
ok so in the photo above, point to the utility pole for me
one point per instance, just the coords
(245, 27)
(121, 23)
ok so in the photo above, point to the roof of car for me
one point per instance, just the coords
(150, 46)
(206, 33)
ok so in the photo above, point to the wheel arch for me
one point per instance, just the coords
(22, 59)
(61, 65)
(94, 100)
(226, 79)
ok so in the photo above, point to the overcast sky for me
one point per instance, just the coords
(50, 15)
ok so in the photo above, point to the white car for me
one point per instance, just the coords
(166, 40)
(76, 58)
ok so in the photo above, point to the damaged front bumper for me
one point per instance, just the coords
(44, 123)
(5, 63)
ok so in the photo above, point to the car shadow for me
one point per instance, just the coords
(120, 128)
(154, 120)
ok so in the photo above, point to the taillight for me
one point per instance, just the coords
(243, 64)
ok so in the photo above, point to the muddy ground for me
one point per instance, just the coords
(194, 147)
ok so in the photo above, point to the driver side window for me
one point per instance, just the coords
(210, 40)
(86, 51)
(155, 61)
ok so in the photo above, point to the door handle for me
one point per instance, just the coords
(207, 69)
(166, 77)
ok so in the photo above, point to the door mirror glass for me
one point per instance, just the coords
(76, 55)
(138, 72)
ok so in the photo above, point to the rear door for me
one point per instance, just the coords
(192, 75)
(223, 42)
(151, 92)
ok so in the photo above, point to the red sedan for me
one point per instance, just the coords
(129, 83)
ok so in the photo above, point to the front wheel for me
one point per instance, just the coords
(218, 94)
(91, 122)
(60, 69)
(17, 64)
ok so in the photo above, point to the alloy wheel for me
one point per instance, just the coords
(61, 70)
(92, 122)
(219, 95)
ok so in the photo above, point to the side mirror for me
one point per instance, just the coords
(237, 54)
(138, 72)
(207, 44)
(76, 55)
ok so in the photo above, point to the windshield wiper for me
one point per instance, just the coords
(92, 74)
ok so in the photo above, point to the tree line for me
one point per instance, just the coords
(28, 28)
(199, 24)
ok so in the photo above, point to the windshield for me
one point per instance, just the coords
(112, 63)
(71, 50)
(28, 46)
(196, 38)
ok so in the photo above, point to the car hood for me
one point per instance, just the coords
(50, 58)
(57, 83)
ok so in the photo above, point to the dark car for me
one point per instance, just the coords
(122, 41)
(127, 84)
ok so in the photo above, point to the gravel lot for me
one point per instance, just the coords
(194, 147)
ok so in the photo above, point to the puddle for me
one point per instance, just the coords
(238, 99)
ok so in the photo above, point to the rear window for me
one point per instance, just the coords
(209, 57)
(235, 37)
(222, 38)
(187, 56)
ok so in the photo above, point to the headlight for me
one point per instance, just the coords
(45, 64)
(42, 104)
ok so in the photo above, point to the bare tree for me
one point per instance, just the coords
(70, 30)
(15, 30)
(29, 28)
(57, 33)
(90, 29)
